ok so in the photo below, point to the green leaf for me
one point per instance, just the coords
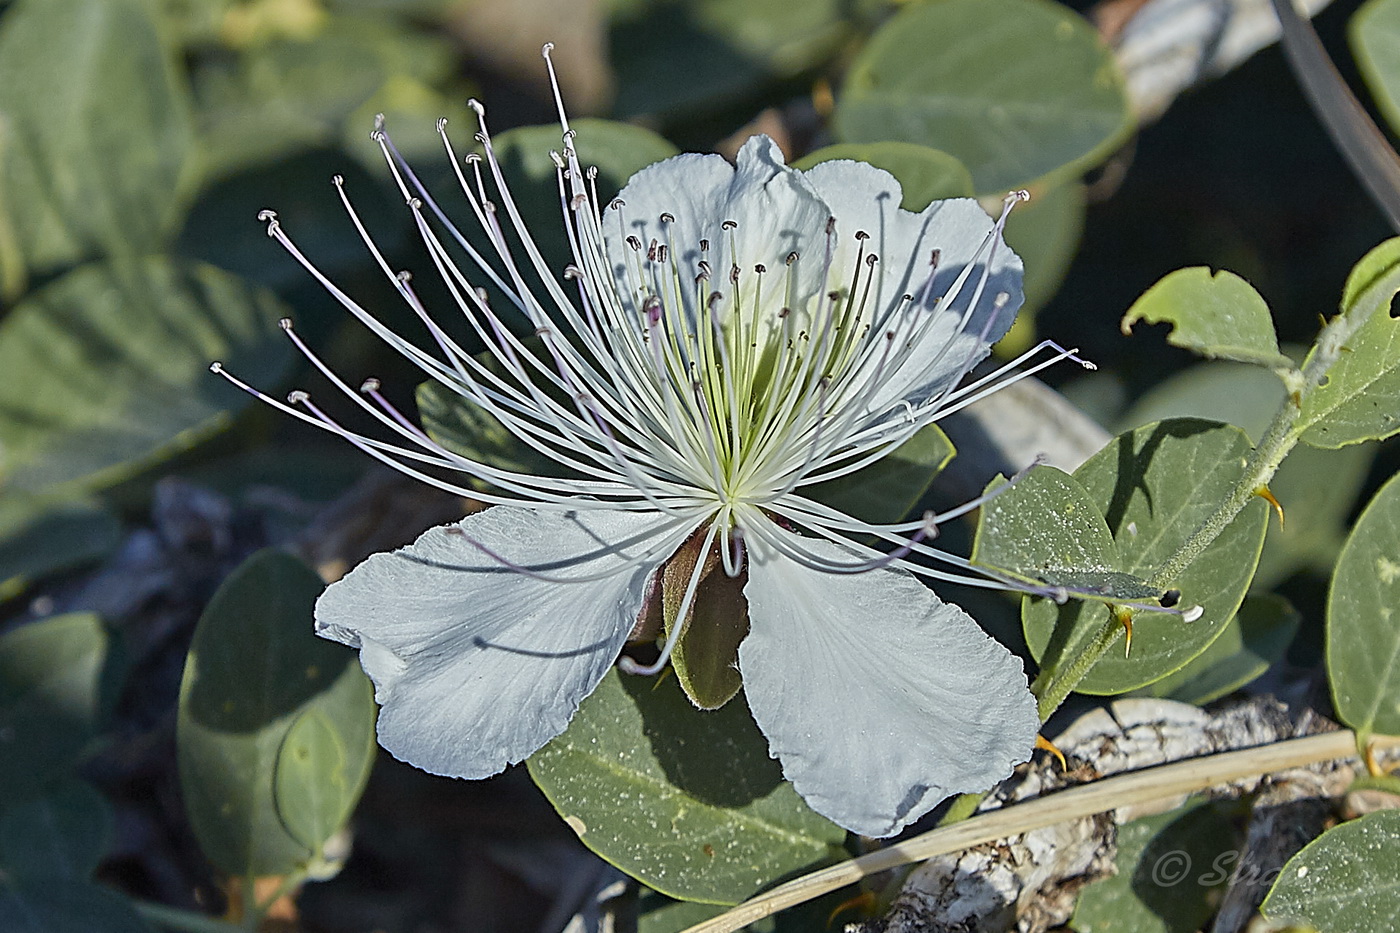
(467, 429)
(1316, 487)
(107, 368)
(1155, 486)
(886, 490)
(62, 834)
(686, 801)
(289, 94)
(1363, 619)
(1375, 40)
(1217, 315)
(64, 906)
(1047, 529)
(926, 175)
(316, 784)
(57, 682)
(1017, 90)
(1344, 881)
(675, 57)
(1256, 637)
(1170, 868)
(1360, 399)
(94, 133)
(39, 537)
(254, 675)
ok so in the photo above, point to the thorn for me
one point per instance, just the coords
(1045, 745)
(1125, 619)
(863, 903)
(1264, 493)
(1368, 755)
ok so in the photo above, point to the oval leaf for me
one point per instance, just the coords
(1344, 881)
(107, 368)
(696, 809)
(254, 670)
(1375, 39)
(1218, 315)
(96, 136)
(887, 489)
(1017, 90)
(1155, 486)
(1363, 619)
(57, 682)
(1360, 397)
(62, 834)
(39, 538)
(1256, 637)
(62, 906)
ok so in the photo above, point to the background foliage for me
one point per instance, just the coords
(175, 745)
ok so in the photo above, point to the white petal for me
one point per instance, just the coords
(476, 665)
(863, 197)
(879, 699)
(774, 208)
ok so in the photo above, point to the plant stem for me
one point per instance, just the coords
(173, 918)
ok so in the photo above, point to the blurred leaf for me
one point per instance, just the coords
(1360, 399)
(224, 230)
(657, 913)
(1045, 233)
(107, 368)
(1018, 90)
(1363, 619)
(887, 489)
(698, 810)
(1375, 40)
(467, 429)
(925, 174)
(1316, 487)
(65, 906)
(1217, 315)
(684, 55)
(58, 679)
(39, 537)
(62, 834)
(1344, 881)
(255, 669)
(1168, 874)
(94, 133)
(1155, 486)
(287, 95)
(1256, 637)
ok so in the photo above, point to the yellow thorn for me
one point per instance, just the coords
(1045, 745)
(1368, 755)
(823, 100)
(863, 902)
(1125, 619)
(1264, 493)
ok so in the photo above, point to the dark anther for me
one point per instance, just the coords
(871, 260)
(1170, 598)
(784, 312)
(661, 253)
(830, 226)
(616, 203)
(733, 275)
(934, 257)
(760, 268)
(668, 218)
(704, 246)
(729, 225)
(715, 298)
(834, 296)
(704, 269)
(792, 257)
(862, 235)
(651, 251)
(634, 242)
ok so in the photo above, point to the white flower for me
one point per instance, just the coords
(738, 334)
